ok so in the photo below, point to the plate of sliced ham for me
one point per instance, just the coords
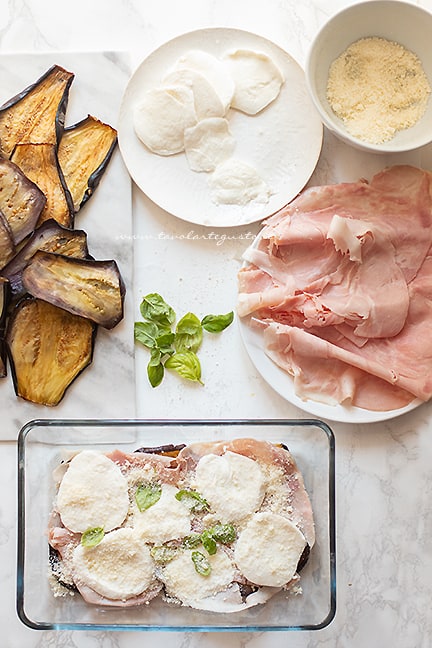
(335, 297)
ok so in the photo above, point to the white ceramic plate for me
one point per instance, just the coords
(283, 142)
(283, 384)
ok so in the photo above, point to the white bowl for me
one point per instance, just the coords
(405, 23)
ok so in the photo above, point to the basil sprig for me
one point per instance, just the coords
(174, 349)
(222, 533)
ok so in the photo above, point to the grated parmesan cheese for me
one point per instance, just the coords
(377, 87)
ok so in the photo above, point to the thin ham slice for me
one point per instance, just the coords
(341, 282)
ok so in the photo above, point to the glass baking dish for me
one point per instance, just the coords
(43, 444)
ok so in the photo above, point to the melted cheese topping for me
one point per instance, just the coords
(92, 493)
(120, 567)
(233, 485)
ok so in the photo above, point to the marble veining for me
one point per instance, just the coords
(383, 474)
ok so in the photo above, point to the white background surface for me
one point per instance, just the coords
(384, 492)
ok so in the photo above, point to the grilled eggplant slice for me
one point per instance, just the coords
(84, 152)
(4, 303)
(48, 348)
(37, 114)
(21, 200)
(51, 237)
(92, 289)
(39, 163)
(7, 246)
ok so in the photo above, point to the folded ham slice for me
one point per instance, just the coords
(340, 281)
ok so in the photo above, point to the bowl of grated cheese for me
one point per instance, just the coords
(369, 74)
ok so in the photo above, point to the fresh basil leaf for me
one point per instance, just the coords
(194, 500)
(201, 563)
(155, 368)
(189, 333)
(146, 333)
(165, 341)
(163, 554)
(217, 323)
(155, 374)
(224, 533)
(154, 308)
(92, 537)
(146, 495)
(208, 541)
(191, 541)
(186, 364)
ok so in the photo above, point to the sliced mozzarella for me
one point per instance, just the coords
(268, 550)
(120, 567)
(161, 117)
(208, 144)
(206, 100)
(168, 519)
(213, 70)
(183, 582)
(92, 493)
(257, 80)
(232, 484)
(236, 183)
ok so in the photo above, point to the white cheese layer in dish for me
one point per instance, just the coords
(219, 526)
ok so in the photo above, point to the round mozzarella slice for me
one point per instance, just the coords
(92, 493)
(208, 144)
(268, 550)
(168, 519)
(232, 484)
(236, 183)
(213, 70)
(120, 567)
(162, 116)
(183, 582)
(206, 100)
(257, 80)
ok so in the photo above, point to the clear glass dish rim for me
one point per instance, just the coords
(130, 422)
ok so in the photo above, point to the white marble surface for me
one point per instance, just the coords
(384, 517)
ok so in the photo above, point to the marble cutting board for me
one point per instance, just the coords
(106, 389)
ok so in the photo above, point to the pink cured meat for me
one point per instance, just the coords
(177, 469)
(341, 282)
(265, 453)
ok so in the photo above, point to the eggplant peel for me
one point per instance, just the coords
(85, 287)
(84, 152)
(51, 237)
(7, 246)
(48, 348)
